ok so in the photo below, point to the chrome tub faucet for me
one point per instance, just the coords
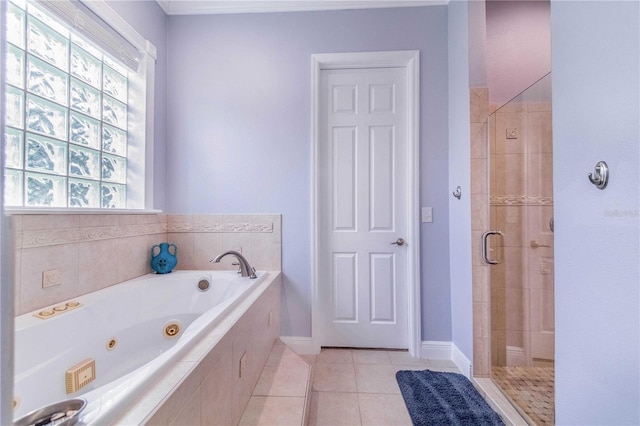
(246, 270)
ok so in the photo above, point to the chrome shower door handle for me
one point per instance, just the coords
(485, 248)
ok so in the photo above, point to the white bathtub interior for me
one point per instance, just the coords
(134, 314)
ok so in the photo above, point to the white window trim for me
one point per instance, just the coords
(137, 132)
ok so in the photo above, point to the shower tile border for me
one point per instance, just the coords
(520, 200)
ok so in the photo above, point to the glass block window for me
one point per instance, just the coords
(67, 113)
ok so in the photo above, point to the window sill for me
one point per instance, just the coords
(53, 210)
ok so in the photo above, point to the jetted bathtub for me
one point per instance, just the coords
(125, 335)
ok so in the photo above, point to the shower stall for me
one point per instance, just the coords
(519, 248)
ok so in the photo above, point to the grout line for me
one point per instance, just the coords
(359, 408)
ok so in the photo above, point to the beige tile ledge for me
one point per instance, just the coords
(283, 393)
(273, 410)
(496, 400)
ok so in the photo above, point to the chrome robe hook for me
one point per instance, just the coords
(458, 192)
(600, 176)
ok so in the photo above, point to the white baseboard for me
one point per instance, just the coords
(300, 345)
(516, 356)
(428, 349)
(447, 350)
(435, 350)
(461, 361)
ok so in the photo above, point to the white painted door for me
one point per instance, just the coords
(362, 190)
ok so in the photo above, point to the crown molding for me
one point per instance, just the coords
(208, 7)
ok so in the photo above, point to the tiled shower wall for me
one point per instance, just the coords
(502, 316)
(88, 252)
(479, 100)
(521, 205)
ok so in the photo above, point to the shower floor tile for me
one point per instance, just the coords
(531, 389)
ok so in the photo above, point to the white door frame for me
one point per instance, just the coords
(410, 60)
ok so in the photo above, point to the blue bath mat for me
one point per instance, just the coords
(435, 398)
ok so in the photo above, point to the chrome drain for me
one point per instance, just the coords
(203, 285)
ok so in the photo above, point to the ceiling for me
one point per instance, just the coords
(206, 7)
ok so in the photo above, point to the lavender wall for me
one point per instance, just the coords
(148, 18)
(460, 174)
(518, 46)
(239, 137)
(477, 32)
(596, 111)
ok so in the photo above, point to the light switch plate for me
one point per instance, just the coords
(427, 214)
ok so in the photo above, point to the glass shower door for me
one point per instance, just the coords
(521, 209)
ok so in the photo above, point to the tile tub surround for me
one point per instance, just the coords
(202, 237)
(205, 386)
(93, 251)
(283, 392)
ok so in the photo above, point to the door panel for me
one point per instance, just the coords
(382, 178)
(362, 191)
(345, 287)
(383, 288)
(344, 178)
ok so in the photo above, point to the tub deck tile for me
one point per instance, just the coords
(283, 392)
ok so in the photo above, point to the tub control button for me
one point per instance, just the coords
(57, 310)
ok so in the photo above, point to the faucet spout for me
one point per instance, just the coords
(246, 270)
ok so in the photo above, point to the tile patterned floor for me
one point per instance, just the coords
(529, 388)
(358, 387)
